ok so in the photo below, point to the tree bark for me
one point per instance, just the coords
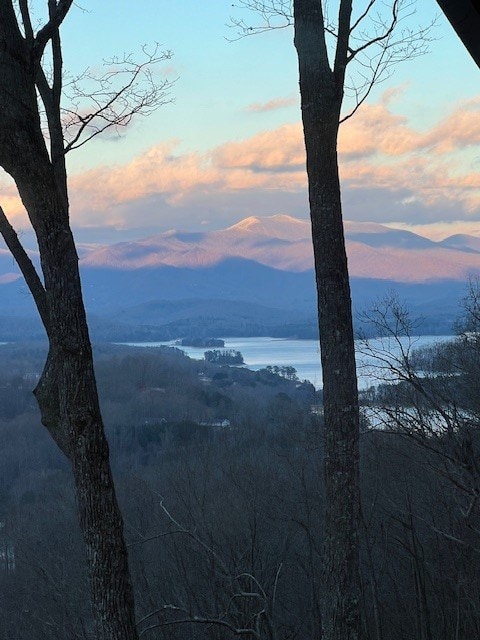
(66, 393)
(464, 16)
(321, 91)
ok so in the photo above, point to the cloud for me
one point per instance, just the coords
(376, 130)
(390, 170)
(281, 150)
(172, 180)
(459, 130)
(440, 230)
(10, 201)
(271, 105)
(405, 172)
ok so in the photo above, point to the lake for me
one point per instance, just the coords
(304, 355)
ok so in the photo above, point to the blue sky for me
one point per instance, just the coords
(230, 144)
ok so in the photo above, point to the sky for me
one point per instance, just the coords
(228, 142)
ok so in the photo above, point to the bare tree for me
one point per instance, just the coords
(432, 395)
(31, 96)
(326, 45)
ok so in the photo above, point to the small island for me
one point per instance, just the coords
(227, 356)
(207, 343)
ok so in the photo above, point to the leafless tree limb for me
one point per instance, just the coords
(207, 621)
(368, 39)
(362, 16)
(194, 536)
(27, 22)
(343, 39)
(110, 100)
(257, 625)
(26, 267)
(58, 12)
(275, 14)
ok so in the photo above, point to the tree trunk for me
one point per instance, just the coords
(464, 16)
(66, 393)
(321, 99)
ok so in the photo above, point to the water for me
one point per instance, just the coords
(304, 355)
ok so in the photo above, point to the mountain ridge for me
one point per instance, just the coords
(283, 242)
(254, 276)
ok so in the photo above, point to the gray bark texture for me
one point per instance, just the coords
(321, 90)
(464, 16)
(66, 393)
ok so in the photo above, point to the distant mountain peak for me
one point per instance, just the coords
(283, 242)
(365, 227)
(247, 224)
(284, 217)
(280, 226)
(462, 242)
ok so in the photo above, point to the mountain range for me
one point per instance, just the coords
(255, 276)
(282, 242)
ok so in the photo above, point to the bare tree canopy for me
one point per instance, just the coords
(36, 132)
(380, 36)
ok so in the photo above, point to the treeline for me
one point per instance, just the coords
(195, 341)
(107, 330)
(224, 356)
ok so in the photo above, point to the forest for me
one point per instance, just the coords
(224, 525)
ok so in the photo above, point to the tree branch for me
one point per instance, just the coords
(380, 38)
(27, 21)
(127, 88)
(464, 16)
(275, 14)
(362, 16)
(343, 38)
(198, 620)
(165, 607)
(192, 535)
(46, 33)
(57, 59)
(26, 267)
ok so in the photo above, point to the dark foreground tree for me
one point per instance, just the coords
(66, 392)
(321, 90)
(464, 16)
(326, 45)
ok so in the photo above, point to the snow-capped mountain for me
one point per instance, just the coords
(282, 242)
(230, 281)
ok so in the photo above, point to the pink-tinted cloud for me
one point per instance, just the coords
(459, 130)
(11, 203)
(383, 157)
(376, 130)
(440, 230)
(271, 105)
(278, 150)
(378, 150)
